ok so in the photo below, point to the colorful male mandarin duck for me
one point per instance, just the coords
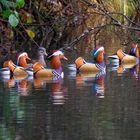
(98, 56)
(22, 61)
(56, 66)
(131, 58)
(15, 70)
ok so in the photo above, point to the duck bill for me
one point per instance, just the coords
(28, 58)
(45, 55)
(65, 58)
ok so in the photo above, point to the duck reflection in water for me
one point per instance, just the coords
(40, 83)
(97, 80)
(123, 68)
(134, 70)
(58, 90)
(59, 93)
(23, 86)
(98, 86)
(9, 83)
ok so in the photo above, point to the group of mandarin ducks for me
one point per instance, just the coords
(39, 68)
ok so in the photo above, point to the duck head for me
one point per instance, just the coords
(55, 57)
(42, 51)
(22, 60)
(98, 54)
(134, 51)
(41, 56)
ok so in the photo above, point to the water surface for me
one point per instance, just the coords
(79, 107)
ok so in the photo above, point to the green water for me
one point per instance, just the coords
(101, 107)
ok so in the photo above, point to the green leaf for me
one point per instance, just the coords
(13, 20)
(6, 13)
(7, 4)
(30, 33)
(20, 3)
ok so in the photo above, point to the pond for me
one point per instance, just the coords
(78, 107)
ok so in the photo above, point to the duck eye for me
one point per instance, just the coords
(41, 51)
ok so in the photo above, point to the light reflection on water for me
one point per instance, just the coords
(80, 107)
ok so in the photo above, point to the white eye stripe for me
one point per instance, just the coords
(100, 49)
(23, 54)
(56, 53)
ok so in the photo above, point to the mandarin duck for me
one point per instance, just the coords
(86, 67)
(56, 66)
(129, 59)
(22, 61)
(16, 71)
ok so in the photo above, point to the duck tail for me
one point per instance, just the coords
(5, 64)
(79, 62)
(10, 65)
(36, 67)
(120, 54)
